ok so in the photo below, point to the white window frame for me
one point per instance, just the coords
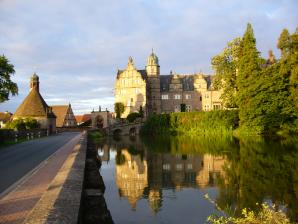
(177, 97)
(166, 166)
(188, 96)
(188, 108)
(165, 96)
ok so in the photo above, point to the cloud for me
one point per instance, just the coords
(76, 46)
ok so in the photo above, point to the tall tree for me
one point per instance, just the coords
(225, 66)
(6, 85)
(288, 44)
(247, 80)
(119, 109)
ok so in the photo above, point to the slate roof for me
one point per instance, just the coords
(186, 80)
(60, 111)
(34, 106)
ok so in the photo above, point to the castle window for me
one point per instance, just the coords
(188, 108)
(179, 166)
(206, 95)
(177, 96)
(200, 98)
(164, 96)
(166, 166)
(177, 108)
(189, 166)
(188, 96)
(216, 107)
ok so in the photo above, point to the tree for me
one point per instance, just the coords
(119, 109)
(6, 85)
(249, 71)
(141, 112)
(225, 66)
(288, 72)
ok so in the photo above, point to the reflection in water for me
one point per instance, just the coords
(160, 172)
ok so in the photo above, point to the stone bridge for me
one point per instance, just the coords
(130, 129)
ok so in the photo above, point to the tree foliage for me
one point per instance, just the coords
(225, 66)
(265, 92)
(6, 85)
(119, 109)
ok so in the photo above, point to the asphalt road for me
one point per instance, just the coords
(17, 160)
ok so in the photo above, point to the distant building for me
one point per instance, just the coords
(83, 120)
(65, 116)
(35, 107)
(4, 118)
(157, 93)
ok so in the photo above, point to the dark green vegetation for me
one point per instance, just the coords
(255, 169)
(264, 91)
(133, 116)
(11, 142)
(95, 135)
(192, 123)
(119, 109)
(6, 85)
(22, 124)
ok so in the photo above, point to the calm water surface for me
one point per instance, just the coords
(165, 180)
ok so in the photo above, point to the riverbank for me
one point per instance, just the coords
(93, 206)
(206, 123)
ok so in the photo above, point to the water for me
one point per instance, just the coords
(166, 180)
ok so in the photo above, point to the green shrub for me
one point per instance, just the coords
(192, 123)
(132, 117)
(23, 124)
(267, 214)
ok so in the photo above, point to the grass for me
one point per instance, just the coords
(8, 143)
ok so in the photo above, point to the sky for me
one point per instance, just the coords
(76, 47)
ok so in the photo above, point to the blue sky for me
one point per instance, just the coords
(76, 46)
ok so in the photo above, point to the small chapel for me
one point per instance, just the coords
(35, 107)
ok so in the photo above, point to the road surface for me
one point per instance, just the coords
(17, 160)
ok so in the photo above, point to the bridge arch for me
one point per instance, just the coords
(117, 132)
(132, 131)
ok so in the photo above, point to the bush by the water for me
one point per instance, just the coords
(267, 214)
(95, 135)
(133, 116)
(192, 123)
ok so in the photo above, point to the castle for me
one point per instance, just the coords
(157, 93)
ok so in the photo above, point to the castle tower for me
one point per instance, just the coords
(153, 75)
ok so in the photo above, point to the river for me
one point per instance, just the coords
(183, 180)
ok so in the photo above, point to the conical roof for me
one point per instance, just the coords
(33, 106)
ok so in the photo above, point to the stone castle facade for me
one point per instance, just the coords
(157, 93)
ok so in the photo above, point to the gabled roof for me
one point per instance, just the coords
(33, 106)
(60, 111)
(83, 118)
